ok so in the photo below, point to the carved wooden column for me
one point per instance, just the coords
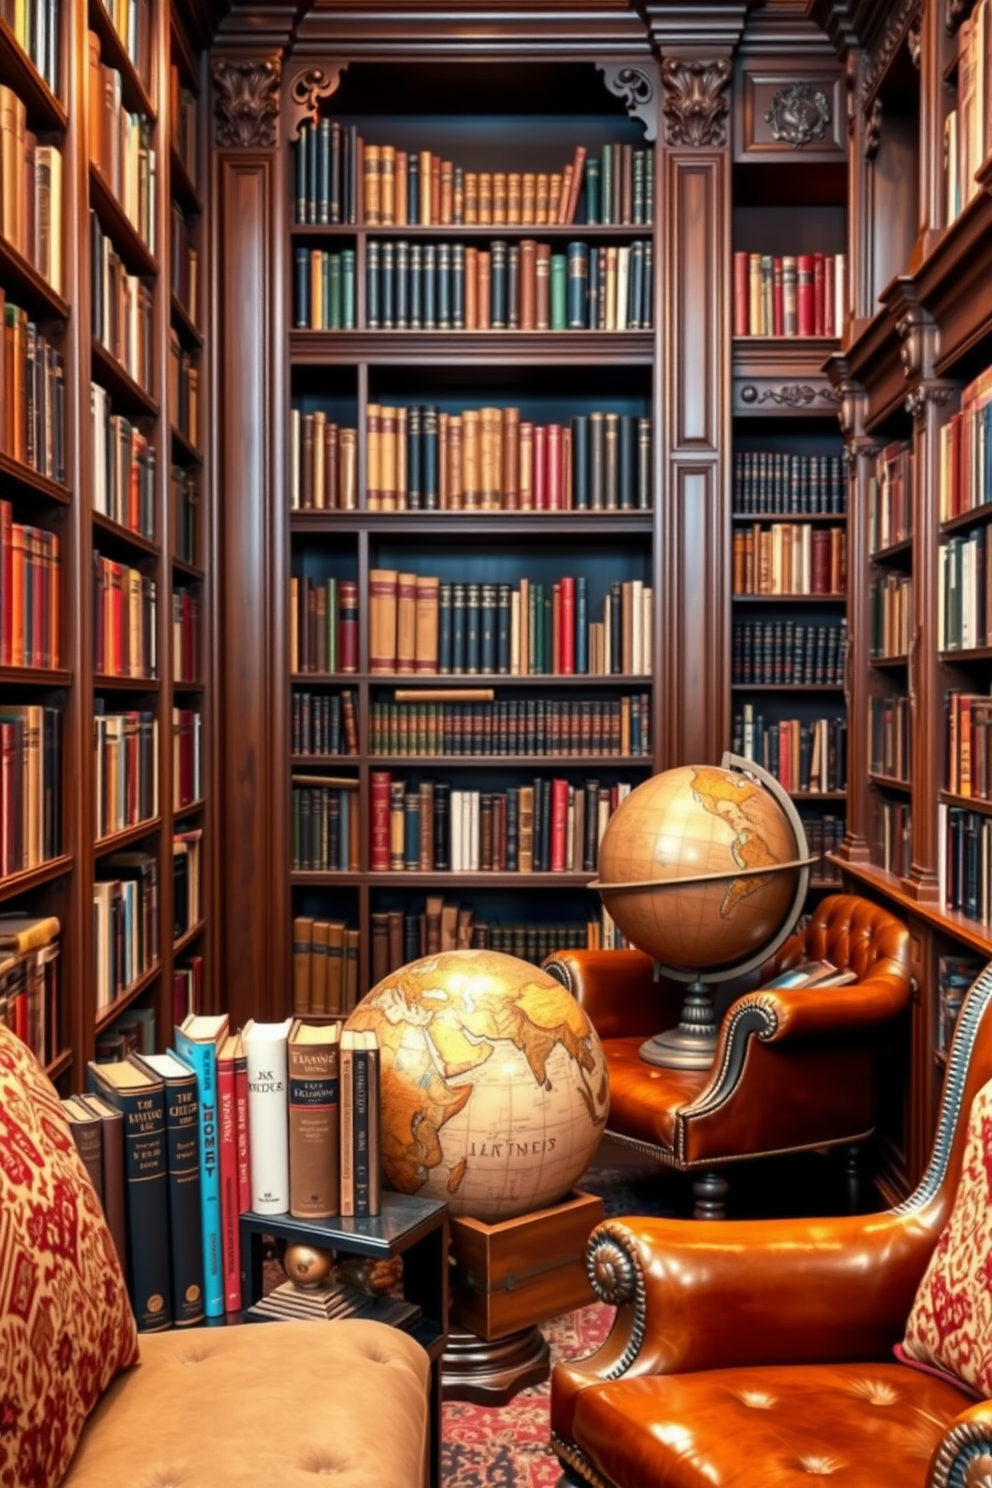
(248, 288)
(693, 352)
(931, 402)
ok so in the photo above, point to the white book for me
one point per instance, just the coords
(455, 832)
(268, 1114)
(648, 637)
(471, 823)
(295, 458)
(840, 292)
(515, 633)
(623, 287)
(637, 626)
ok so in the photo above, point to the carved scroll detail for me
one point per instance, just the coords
(310, 86)
(895, 28)
(636, 88)
(799, 114)
(873, 130)
(247, 103)
(789, 395)
(695, 107)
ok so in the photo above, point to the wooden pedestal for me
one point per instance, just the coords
(505, 1279)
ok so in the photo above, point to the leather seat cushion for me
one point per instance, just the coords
(263, 1405)
(645, 1100)
(849, 1423)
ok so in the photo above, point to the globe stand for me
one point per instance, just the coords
(692, 1044)
(490, 1371)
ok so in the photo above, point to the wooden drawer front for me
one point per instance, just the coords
(790, 112)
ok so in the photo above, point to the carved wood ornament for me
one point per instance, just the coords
(636, 88)
(695, 108)
(873, 130)
(896, 25)
(309, 88)
(799, 114)
(247, 103)
(789, 395)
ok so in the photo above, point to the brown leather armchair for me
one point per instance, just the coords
(759, 1353)
(793, 1070)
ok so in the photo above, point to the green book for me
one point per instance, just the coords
(348, 289)
(559, 281)
(332, 625)
(334, 294)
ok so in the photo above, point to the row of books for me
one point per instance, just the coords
(964, 862)
(30, 786)
(801, 294)
(893, 849)
(806, 755)
(120, 308)
(965, 477)
(120, 147)
(968, 722)
(777, 652)
(31, 199)
(489, 459)
(323, 625)
(514, 726)
(955, 974)
(890, 497)
(789, 558)
(36, 25)
(131, 1032)
(325, 966)
(417, 625)
(968, 126)
(889, 750)
(824, 835)
(122, 467)
(324, 723)
(132, 21)
(773, 482)
(508, 286)
(550, 826)
(187, 896)
(125, 923)
(964, 595)
(30, 593)
(185, 635)
(339, 177)
(125, 605)
(890, 616)
(184, 390)
(325, 832)
(183, 115)
(29, 981)
(185, 263)
(32, 395)
(187, 757)
(184, 503)
(323, 463)
(125, 747)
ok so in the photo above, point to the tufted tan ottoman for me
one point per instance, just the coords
(279, 1405)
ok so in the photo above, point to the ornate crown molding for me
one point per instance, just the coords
(695, 107)
(896, 25)
(636, 87)
(247, 104)
(789, 395)
(873, 129)
(799, 114)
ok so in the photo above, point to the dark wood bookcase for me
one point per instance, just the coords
(64, 885)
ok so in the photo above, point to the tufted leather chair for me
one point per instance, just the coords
(793, 1070)
(759, 1353)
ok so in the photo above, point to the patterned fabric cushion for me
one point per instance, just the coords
(950, 1324)
(66, 1327)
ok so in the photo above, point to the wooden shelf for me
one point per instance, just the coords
(888, 663)
(467, 348)
(104, 682)
(36, 676)
(180, 684)
(393, 679)
(180, 813)
(417, 879)
(45, 111)
(970, 803)
(28, 481)
(134, 251)
(184, 323)
(974, 653)
(787, 687)
(449, 232)
(838, 795)
(33, 878)
(59, 1064)
(182, 187)
(184, 941)
(490, 761)
(949, 921)
(188, 570)
(964, 520)
(126, 838)
(893, 550)
(835, 519)
(890, 782)
(109, 1014)
(789, 598)
(138, 544)
(23, 283)
(128, 395)
(430, 524)
(113, 53)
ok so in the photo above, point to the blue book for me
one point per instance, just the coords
(372, 286)
(581, 626)
(387, 285)
(347, 289)
(578, 285)
(458, 629)
(197, 1042)
(444, 629)
(416, 297)
(503, 609)
(324, 171)
(592, 190)
(487, 638)
(429, 287)
(473, 608)
(301, 173)
(429, 456)
(412, 187)
(411, 830)
(312, 153)
(302, 289)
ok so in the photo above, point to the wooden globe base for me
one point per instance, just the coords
(491, 1371)
(692, 1045)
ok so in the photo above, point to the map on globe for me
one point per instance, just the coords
(743, 806)
(494, 1088)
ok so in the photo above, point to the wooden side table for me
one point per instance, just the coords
(416, 1229)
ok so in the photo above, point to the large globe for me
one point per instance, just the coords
(698, 866)
(494, 1086)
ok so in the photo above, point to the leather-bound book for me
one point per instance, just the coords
(397, 824)
(597, 461)
(430, 458)
(387, 459)
(442, 825)
(401, 204)
(379, 836)
(510, 460)
(314, 1119)
(472, 458)
(499, 311)
(484, 294)
(452, 464)
(554, 195)
(485, 198)
(426, 826)
(542, 287)
(334, 935)
(578, 285)
(528, 284)
(302, 948)
(540, 467)
(611, 461)
(805, 304)
(435, 189)
(514, 200)
(406, 623)
(555, 487)
(458, 286)
(490, 457)
(112, 1168)
(383, 609)
(379, 922)
(348, 469)
(87, 1134)
(394, 938)
(645, 465)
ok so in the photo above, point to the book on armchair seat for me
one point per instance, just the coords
(811, 974)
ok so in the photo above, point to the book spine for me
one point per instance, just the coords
(268, 1122)
(314, 1131)
(203, 1059)
(230, 1206)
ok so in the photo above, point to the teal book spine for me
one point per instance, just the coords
(580, 461)
(581, 626)
(203, 1059)
(348, 289)
(559, 321)
(578, 285)
(332, 625)
(606, 187)
(593, 198)
(333, 303)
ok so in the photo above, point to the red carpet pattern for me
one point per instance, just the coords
(483, 1447)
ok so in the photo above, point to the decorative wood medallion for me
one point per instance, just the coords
(695, 106)
(247, 103)
(799, 114)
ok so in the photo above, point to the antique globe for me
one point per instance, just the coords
(706, 868)
(494, 1087)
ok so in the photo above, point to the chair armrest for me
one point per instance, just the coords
(714, 1294)
(800, 1013)
(967, 1439)
(617, 989)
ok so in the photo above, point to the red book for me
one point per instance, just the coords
(435, 188)
(7, 580)
(554, 458)
(379, 783)
(804, 294)
(568, 627)
(778, 307)
(820, 562)
(742, 292)
(570, 204)
(829, 299)
(540, 468)
(348, 625)
(229, 1200)
(819, 294)
(559, 824)
(241, 1115)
